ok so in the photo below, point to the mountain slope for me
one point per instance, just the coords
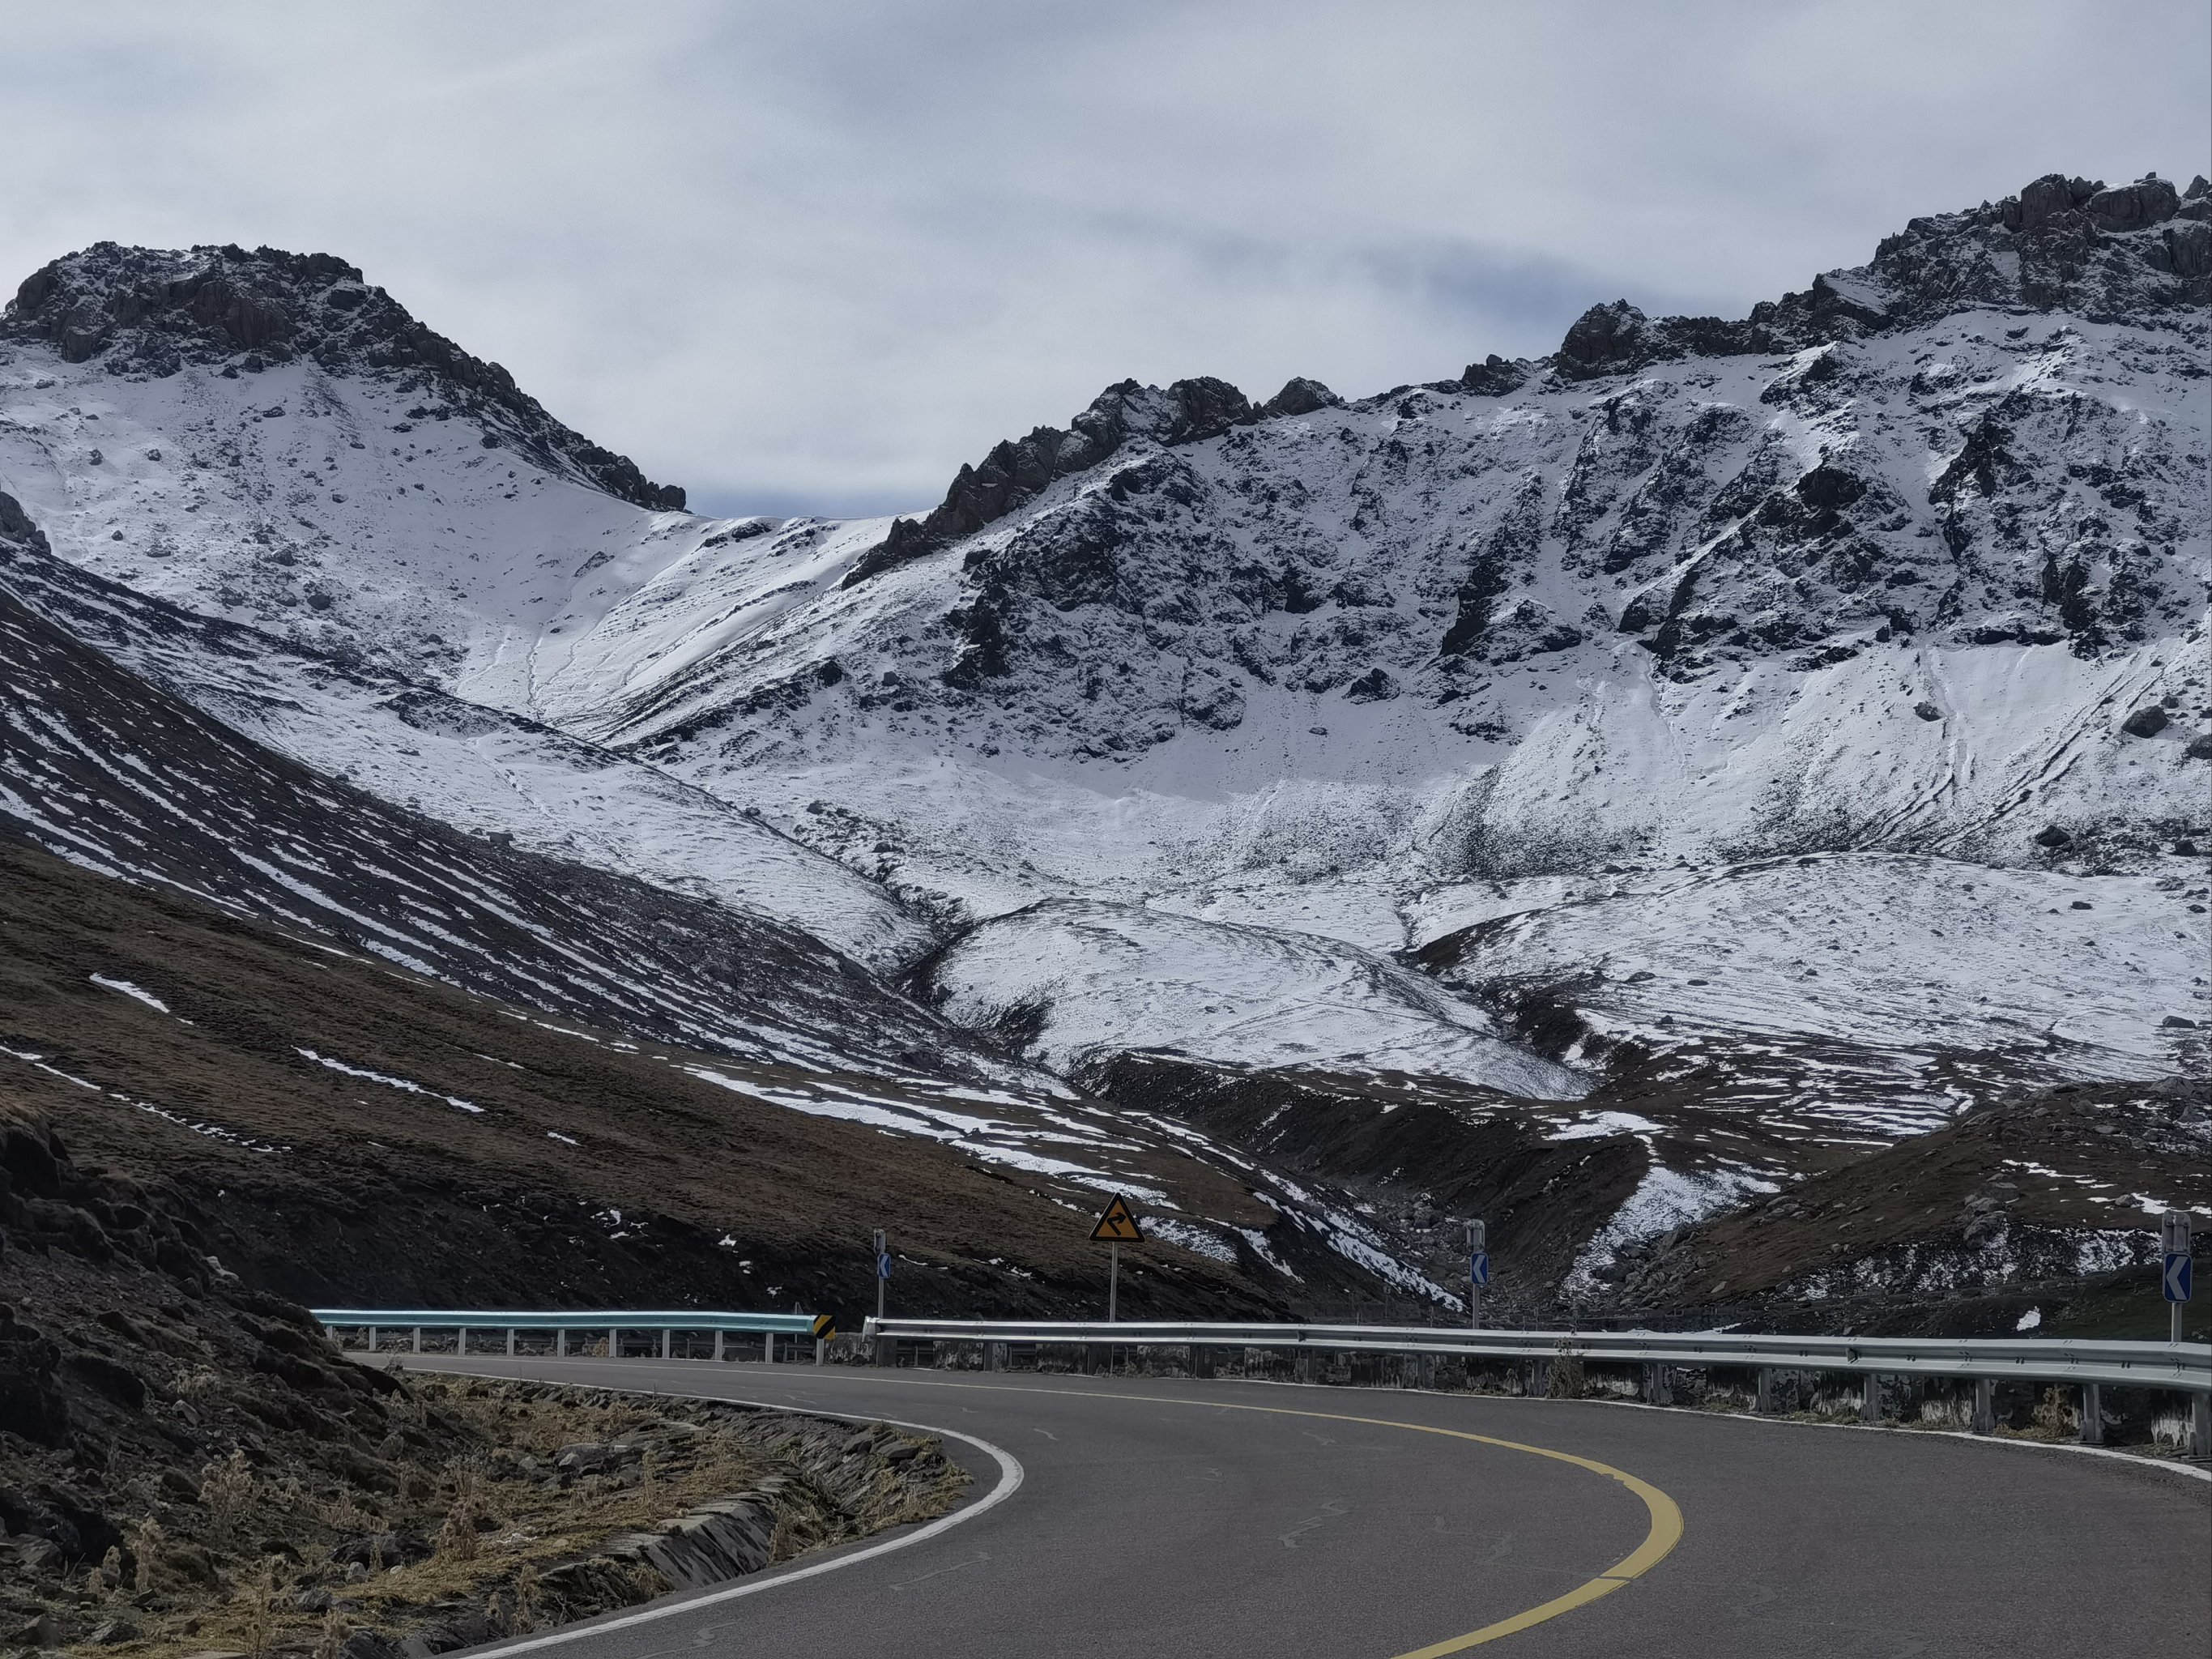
(1072, 982)
(476, 769)
(1789, 730)
(126, 779)
(345, 1134)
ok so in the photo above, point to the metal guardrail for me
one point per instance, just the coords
(818, 1328)
(2182, 1365)
(597, 1318)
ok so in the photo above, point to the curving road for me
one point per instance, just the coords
(1228, 1518)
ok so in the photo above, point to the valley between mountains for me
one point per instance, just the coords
(1727, 802)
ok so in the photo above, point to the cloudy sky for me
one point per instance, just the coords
(810, 258)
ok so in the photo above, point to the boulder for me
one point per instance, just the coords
(2149, 201)
(1299, 396)
(2146, 722)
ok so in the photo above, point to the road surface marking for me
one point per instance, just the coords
(1666, 1530)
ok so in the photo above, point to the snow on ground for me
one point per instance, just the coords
(2084, 975)
(1665, 1198)
(389, 1081)
(134, 992)
(480, 769)
(1076, 981)
(1735, 694)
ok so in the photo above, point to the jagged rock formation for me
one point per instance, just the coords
(2061, 245)
(1014, 474)
(143, 312)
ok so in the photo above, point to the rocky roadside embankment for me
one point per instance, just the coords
(187, 1464)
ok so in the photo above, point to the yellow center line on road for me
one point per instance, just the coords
(1666, 1530)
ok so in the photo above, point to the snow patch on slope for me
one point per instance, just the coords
(1077, 982)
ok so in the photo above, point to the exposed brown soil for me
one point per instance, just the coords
(596, 1171)
(1425, 1153)
(2047, 1201)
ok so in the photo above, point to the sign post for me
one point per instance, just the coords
(883, 1269)
(1117, 1225)
(2174, 1275)
(1478, 1270)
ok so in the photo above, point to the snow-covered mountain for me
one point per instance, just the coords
(1814, 704)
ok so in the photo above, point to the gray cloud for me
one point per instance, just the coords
(812, 257)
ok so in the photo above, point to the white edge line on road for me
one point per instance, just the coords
(2073, 1448)
(1010, 1480)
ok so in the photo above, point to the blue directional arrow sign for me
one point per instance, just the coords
(884, 1265)
(1478, 1267)
(2174, 1282)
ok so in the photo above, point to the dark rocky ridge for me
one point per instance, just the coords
(146, 312)
(2061, 245)
(1015, 473)
(1415, 544)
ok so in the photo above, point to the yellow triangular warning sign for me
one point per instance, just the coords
(1118, 1226)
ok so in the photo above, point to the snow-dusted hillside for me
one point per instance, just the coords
(1894, 980)
(1891, 566)
(1751, 706)
(115, 776)
(1072, 982)
(478, 769)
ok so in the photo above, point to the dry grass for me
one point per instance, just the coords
(499, 1520)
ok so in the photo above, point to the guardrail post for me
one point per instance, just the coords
(1201, 1361)
(1985, 1405)
(821, 1351)
(718, 1335)
(1658, 1387)
(995, 1356)
(1308, 1365)
(372, 1338)
(613, 1342)
(1425, 1370)
(768, 1347)
(1763, 1400)
(2200, 1425)
(1870, 1398)
(510, 1341)
(2093, 1414)
(418, 1338)
(561, 1343)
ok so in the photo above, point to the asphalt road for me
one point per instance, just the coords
(1230, 1519)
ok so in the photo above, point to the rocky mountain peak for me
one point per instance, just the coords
(146, 313)
(2061, 244)
(1016, 473)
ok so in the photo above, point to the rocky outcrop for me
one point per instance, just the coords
(1016, 473)
(129, 1359)
(148, 312)
(1299, 396)
(2061, 244)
